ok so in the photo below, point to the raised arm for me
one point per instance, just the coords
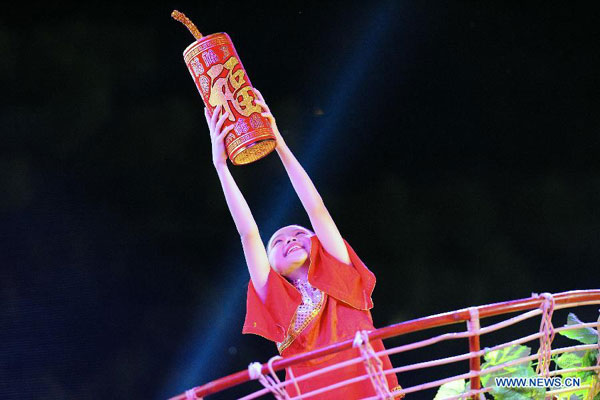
(254, 249)
(320, 219)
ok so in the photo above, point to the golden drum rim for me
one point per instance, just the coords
(271, 144)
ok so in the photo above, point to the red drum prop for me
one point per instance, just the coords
(221, 80)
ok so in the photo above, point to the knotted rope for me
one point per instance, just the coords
(373, 365)
(547, 331)
(272, 382)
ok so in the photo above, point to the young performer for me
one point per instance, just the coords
(307, 289)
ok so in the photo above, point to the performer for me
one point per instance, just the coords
(307, 289)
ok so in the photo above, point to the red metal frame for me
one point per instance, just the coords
(401, 328)
(474, 346)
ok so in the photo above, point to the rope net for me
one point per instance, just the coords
(509, 368)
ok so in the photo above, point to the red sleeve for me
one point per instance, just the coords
(352, 285)
(272, 318)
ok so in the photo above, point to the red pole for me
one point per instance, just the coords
(475, 362)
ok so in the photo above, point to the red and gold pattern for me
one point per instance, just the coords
(222, 80)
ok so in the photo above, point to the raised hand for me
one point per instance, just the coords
(254, 249)
(217, 134)
(267, 114)
(319, 216)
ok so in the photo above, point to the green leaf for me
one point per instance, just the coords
(568, 396)
(518, 393)
(579, 359)
(589, 358)
(506, 354)
(515, 393)
(587, 378)
(451, 389)
(497, 357)
(583, 335)
(570, 360)
(574, 395)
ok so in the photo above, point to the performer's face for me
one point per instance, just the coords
(289, 249)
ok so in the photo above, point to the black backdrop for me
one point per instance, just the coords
(456, 146)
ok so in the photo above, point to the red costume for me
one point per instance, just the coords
(341, 309)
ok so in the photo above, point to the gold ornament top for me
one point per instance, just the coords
(179, 16)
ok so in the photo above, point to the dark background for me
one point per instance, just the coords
(455, 144)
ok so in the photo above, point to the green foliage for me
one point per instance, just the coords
(503, 356)
(452, 389)
(497, 357)
(583, 335)
(578, 359)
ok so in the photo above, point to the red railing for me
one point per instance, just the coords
(571, 298)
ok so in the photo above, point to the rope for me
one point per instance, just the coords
(293, 379)
(547, 335)
(546, 306)
(373, 365)
(270, 382)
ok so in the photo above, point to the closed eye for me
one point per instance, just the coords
(300, 233)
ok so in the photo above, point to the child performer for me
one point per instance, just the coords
(307, 289)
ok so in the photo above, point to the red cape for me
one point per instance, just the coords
(344, 310)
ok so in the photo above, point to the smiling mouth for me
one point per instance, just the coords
(293, 248)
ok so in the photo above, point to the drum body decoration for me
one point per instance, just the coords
(222, 81)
